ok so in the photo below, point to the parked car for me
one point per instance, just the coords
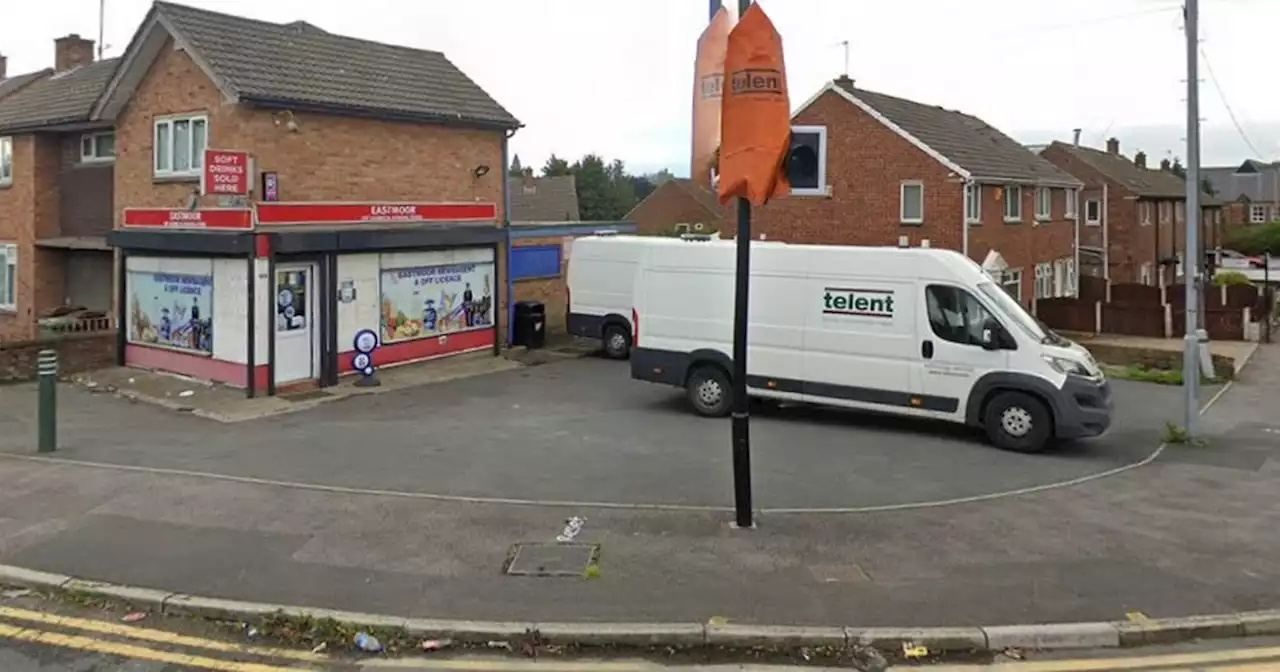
(1234, 259)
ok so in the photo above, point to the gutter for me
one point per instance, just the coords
(270, 103)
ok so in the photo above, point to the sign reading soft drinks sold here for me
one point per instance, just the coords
(226, 173)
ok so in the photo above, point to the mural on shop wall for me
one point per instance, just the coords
(436, 300)
(174, 310)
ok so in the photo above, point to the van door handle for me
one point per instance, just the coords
(926, 349)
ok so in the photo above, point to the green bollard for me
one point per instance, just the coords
(48, 407)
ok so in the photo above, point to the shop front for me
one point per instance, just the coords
(274, 296)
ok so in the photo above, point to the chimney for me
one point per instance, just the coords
(844, 82)
(1165, 165)
(1075, 136)
(4, 62)
(1113, 146)
(528, 182)
(1140, 159)
(71, 52)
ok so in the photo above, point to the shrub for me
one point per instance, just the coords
(1230, 278)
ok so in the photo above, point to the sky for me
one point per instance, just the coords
(614, 77)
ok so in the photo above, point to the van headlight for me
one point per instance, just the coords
(1069, 367)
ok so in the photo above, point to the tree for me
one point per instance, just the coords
(1178, 169)
(555, 167)
(516, 169)
(1255, 239)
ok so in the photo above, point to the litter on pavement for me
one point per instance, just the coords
(367, 643)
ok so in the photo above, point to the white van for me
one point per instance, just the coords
(601, 278)
(913, 331)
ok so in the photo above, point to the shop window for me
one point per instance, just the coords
(433, 301)
(171, 310)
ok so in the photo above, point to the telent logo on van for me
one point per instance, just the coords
(857, 302)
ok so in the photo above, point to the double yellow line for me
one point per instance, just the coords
(161, 637)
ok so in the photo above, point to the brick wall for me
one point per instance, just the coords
(1025, 243)
(552, 292)
(866, 165)
(28, 210)
(329, 158)
(76, 353)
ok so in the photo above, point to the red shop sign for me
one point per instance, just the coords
(226, 173)
(221, 219)
(348, 213)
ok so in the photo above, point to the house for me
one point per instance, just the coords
(56, 177)
(288, 197)
(873, 169)
(1250, 191)
(543, 199)
(680, 206)
(1134, 216)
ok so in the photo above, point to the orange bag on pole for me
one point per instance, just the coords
(708, 81)
(755, 114)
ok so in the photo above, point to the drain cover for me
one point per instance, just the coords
(551, 559)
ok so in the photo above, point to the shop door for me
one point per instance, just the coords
(297, 354)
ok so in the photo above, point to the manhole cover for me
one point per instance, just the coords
(551, 559)
(306, 396)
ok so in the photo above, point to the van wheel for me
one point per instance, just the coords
(617, 342)
(709, 391)
(1019, 422)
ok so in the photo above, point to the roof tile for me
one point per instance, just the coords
(63, 98)
(550, 199)
(1147, 182)
(302, 64)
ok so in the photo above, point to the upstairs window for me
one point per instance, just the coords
(1044, 204)
(1071, 195)
(97, 147)
(6, 160)
(1144, 212)
(1092, 212)
(973, 202)
(911, 205)
(1012, 203)
(1257, 214)
(179, 145)
(807, 161)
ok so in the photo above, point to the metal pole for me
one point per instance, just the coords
(47, 411)
(1268, 300)
(741, 407)
(715, 7)
(1191, 344)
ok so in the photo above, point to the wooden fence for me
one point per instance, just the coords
(1232, 313)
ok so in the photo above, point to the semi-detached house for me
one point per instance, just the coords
(886, 169)
(56, 177)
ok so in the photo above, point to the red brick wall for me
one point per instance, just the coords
(28, 210)
(329, 157)
(1026, 243)
(76, 354)
(866, 165)
(669, 205)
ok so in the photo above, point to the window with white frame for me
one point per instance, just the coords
(1275, 213)
(1072, 197)
(97, 147)
(1012, 203)
(1092, 212)
(1165, 208)
(808, 161)
(179, 145)
(973, 202)
(1044, 203)
(1144, 212)
(1257, 214)
(1217, 216)
(1145, 274)
(6, 160)
(1011, 283)
(911, 203)
(1179, 212)
(8, 277)
(1044, 281)
(1070, 289)
(1059, 277)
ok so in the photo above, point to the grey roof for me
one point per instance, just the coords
(965, 140)
(1145, 182)
(299, 64)
(545, 199)
(8, 86)
(1252, 181)
(64, 98)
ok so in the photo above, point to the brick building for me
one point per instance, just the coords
(884, 169)
(55, 190)
(1134, 216)
(376, 201)
(1250, 192)
(680, 206)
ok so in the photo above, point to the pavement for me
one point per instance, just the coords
(410, 502)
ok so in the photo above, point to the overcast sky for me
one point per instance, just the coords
(614, 76)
